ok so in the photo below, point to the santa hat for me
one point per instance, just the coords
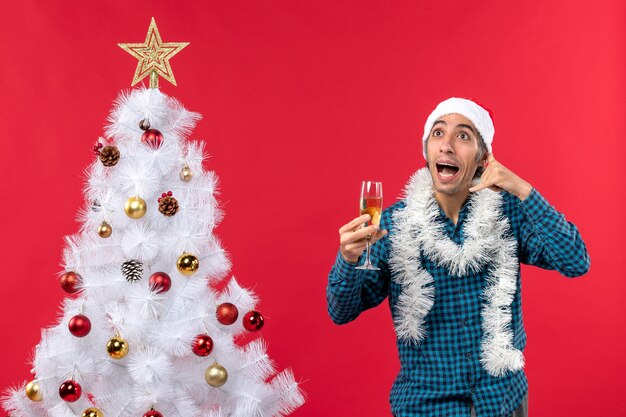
(479, 116)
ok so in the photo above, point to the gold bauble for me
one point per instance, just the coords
(216, 375)
(187, 264)
(33, 391)
(104, 230)
(93, 412)
(135, 207)
(186, 174)
(117, 347)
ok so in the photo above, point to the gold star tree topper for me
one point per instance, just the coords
(154, 57)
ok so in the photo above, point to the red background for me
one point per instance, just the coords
(301, 101)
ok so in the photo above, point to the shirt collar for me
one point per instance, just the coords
(462, 213)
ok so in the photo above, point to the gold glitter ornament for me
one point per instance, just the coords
(135, 207)
(154, 56)
(104, 230)
(186, 174)
(216, 375)
(187, 264)
(117, 347)
(93, 412)
(33, 391)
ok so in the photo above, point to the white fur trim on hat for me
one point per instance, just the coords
(475, 113)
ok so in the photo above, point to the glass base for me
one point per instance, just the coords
(368, 267)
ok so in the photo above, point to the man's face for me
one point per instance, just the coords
(451, 153)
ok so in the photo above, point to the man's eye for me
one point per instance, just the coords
(464, 136)
(437, 133)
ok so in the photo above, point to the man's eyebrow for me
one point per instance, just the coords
(467, 127)
(462, 125)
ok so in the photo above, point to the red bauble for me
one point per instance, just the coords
(227, 313)
(70, 282)
(202, 345)
(153, 413)
(70, 391)
(253, 321)
(160, 282)
(152, 138)
(79, 325)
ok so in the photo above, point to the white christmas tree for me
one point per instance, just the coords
(144, 332)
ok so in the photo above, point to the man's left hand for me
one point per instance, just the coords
(497, 177)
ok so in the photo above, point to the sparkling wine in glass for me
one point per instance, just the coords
(372, 204)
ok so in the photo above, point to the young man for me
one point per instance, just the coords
(449, 255)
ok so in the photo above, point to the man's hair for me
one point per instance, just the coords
(482, 150)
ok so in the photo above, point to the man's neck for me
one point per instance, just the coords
(451, 204)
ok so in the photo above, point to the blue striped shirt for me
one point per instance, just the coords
(441, 375)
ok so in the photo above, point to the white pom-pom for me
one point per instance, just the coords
(143, 302)
(148, 365)
(175, 337)
(138, 179)
(139, 242)
(153, 394)
(191, 231)
(163, 159)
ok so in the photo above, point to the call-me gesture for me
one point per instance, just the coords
(497, 177)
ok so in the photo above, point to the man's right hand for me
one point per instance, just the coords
(352, 237)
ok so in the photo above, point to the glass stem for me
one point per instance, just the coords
(367, 261)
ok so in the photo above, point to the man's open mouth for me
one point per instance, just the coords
(447, 170)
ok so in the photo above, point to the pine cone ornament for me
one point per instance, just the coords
(109, 156)
(168, 205)
(132, 270)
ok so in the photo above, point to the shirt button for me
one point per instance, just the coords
(461, 290)
(468, 355)
(465, 322)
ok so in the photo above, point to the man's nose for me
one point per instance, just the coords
(445, 144)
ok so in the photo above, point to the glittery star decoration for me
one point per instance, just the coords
(154, 56)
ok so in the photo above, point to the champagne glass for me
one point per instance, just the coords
(372, 204)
